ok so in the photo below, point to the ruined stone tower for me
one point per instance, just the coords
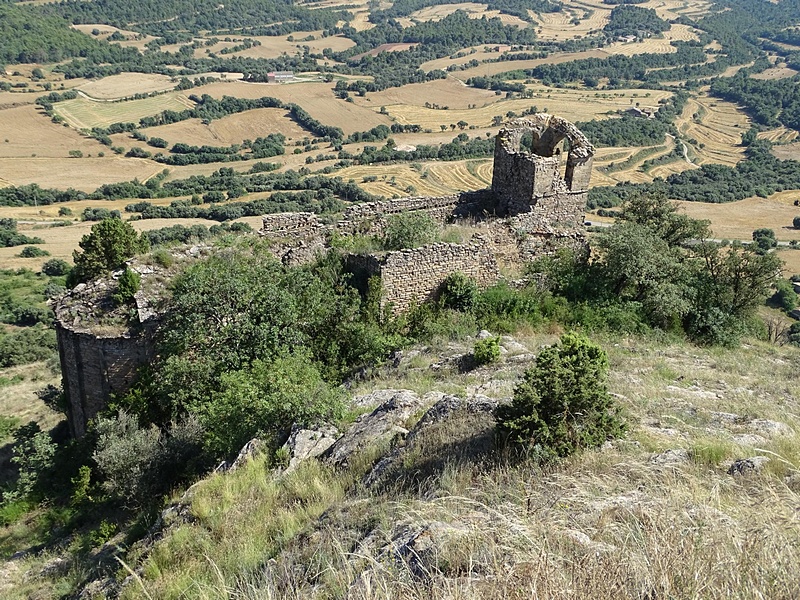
(533, 177)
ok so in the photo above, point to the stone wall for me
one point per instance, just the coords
(524, 178)
(410, 276)
(290, 224)
(95, 368)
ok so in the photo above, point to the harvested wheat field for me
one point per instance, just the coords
(316, 98)
(474, 10)
(479, 53)
(493, 68)
(232, 129)
(395, 180)
(274, 46)
(133, 39)
(125, 85)
(85, 174)
(83, 113)
(574, 105)
(777, 72)
(779, 135)
(559, 26)
(787, 152)
(718, 125)
(25, 132)
(661, 44)
(12, 99)
(445, 92)
(738, 220)
(791, 261)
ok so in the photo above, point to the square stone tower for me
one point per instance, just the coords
(528, 179)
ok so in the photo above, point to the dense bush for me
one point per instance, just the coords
(459, 292)
(33, 252)
(55, 267)
(409, 230)
(127, 286)
(486, 351)
(562, 403)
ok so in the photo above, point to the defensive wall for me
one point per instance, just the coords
(536, 204)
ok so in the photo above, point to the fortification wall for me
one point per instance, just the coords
(290, 224)
(410, 276)
(96, 368)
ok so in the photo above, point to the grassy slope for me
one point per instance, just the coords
(616, 522)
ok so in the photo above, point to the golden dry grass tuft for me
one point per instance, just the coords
(654, 515)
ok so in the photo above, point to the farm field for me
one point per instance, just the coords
(444, 92)
(738, 220)
(572, 104)
(315, 97)
(274, 46)
(487, 69)
(25, 131)
(787, 152)
(132, 38)
(83, 113)
(127, 84)
(718, 125)
(84, 174)
(474, 10)
(229, 130)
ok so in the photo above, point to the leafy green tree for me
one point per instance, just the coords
(459, 292)
(34, 454)
(562, 403)
(784, 297)
(764, 240)
(409, 230)
(109, 244)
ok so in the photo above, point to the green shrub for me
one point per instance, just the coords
(163, 258)
(784, 297)
(109, 244)
(33, 252)
(562, 403)
(140, 464)
(127, 285)
(459, 292)
(486, 351)
(409, 230)
(796, 222)
(34, 454)
(55, 267)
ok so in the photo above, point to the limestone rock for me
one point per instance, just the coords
(308, 443)
(375, 427)
(745, 466)
(672, 456)
(769, 429)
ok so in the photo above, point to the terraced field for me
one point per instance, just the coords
(127, 84)
(717, 126)
(83, 113)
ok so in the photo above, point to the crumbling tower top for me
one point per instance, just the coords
(528, 157)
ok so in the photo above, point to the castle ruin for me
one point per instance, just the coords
(542, 167)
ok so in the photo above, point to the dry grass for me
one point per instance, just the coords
(444, 92)
(316, 98)
(789, 151)
(127, 84)
(62, 241)
(572, 104)
(274, 46)
(85, 174)
(738, 220)
(27, 132)
(559, 26)
(83, 113)
(232, 129)
(777, 72)
(132, 39)
(620, 522)
(19, 399)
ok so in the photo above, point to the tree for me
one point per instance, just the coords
(109, 244)
(796, 222)
(562, 403)
(764, 240)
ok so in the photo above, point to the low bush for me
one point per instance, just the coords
(486, 351)
(562, 403)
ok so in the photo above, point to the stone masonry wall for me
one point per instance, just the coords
(96, 368)
(416, 275)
